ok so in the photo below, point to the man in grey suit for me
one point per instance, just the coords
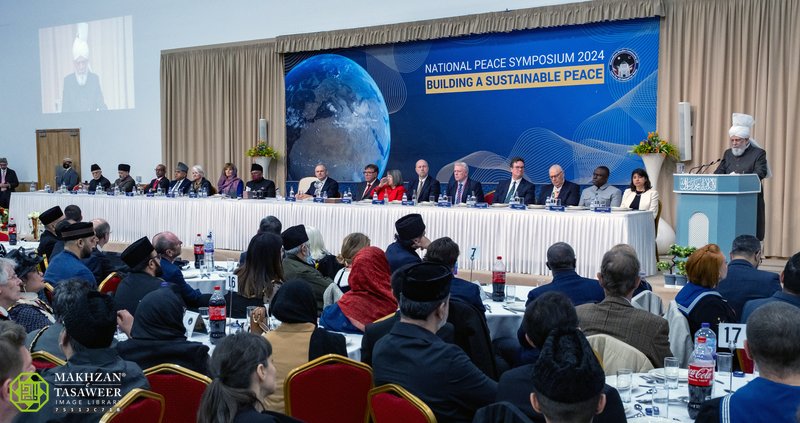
(66, 175)
(615, 316)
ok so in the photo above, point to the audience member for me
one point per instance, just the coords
(49, 218)
(86, 340)
(298, 263)
(517, 186)
(65, 298)
(601, 190)
(259, 183)
(168, 247)
(427, 187)
(391, 187)
(100, 262)
(615, 316)
(445, 251)
(640, 195)
(9, 286)
(269, 224)
(98, 179)
(229, 183)
(125, 182)
(773, 342)
(699, 300)
(30, 311)
(58, 247)
(159, 181)
(568, 382)
(16, 359)
(260, 276)
(409, 237)
(351, 245)
(79, 240)
(462, 186)
(562, 262)
(790, 279)
(8, 183)
(73, 212)
(324, 261)
(412, 356)
(180, 185)
(158, 335)
(66, 176)
(744, 282)
(145, 275)
(548, 312)
(560, 188)
(243, 376)
(323, 185)
(369, 298)
(199, 183)
(297, 340)
(364, 189)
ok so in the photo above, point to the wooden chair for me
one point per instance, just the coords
(330, 389)
(110, 283)
(181, 388)
(137, 406)
(44, 360)
(393, 404)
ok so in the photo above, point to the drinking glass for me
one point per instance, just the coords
(249, 322)
(660, 400)
(671, 372)
(624, 383)
(511, 293)
(724, 367)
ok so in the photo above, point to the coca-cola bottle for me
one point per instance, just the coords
(216, 316)
(701, 376)
(12, 232)
(199, 251)
(499, 280)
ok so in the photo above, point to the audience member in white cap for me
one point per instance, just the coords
(82, 92)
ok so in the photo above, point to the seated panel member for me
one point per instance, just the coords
(125, 182)
(159, 181)
(365, 189)
(391, 187)
(323, 184)
(259, 183)
(199, 181)
(427, 188)
(601, 190)
(229, 183)
(462, 186)
(180, 185)
(517, 186)
(568, 192)
(98, 179)
(640, 195)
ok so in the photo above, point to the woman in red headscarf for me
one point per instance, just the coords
(369, 298)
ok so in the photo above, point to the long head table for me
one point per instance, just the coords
(520, 236)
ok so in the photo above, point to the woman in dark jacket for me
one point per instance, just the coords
(158, 335)
(699, 300)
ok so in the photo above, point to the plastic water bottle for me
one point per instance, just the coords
(291, 192)
(159, 191)
(324, 195)
(711, 338)
(216, 316)
(198, 252)
(701, 377)
(12, 232)
(63, 188)
(405, 197)
(278, 194)
(208, 249)
(499, 280)
(374, 196)
(116, 190)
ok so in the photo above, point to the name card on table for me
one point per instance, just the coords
(377, 202)
(319, 200)
(602, 210)
(518, 206)
(481, 206)
(189, 320)
(555, 208)
(192, 194)
(73, 192)
(129, 194)
(408, 203)
(291, 199)
(347, 201)
(732, 334)
(149, 194)
(170, 195)
(111, 193)
(444, 204)
(90, 192)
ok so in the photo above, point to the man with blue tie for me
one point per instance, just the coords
(517, 186)
(180, 185)
(459, 189)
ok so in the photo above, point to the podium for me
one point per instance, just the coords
(715, 208)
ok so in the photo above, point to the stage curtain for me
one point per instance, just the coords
(211, 100)
(726, 56)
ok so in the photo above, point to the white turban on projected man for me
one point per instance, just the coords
(82, 92)
(746, 156)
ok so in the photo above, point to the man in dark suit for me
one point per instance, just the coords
(49, 218)
(517, 186)
(328, 185)
(615, 316)
(412, 356)
(409, 237)
(790, 279)
(159, 181)
(66, 175)
(744, 281)
(561, 261)
(445, 251)
(364, 190)
(98, 179)
(8, 183)
(259, 183)
(102, 263)
(462, 186)
(427, 187)
(568, 192)
(145, 275)
(180, 185)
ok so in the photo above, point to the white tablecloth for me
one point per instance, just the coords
(520, 236)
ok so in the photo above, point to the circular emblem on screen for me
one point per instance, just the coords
(624, 64)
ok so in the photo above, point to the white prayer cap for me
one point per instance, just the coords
(80, 49)
(741, 125)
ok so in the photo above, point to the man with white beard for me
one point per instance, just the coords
(745, 156)
(82, 92)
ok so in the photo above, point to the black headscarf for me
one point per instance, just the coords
(294, 303)
(159, 316)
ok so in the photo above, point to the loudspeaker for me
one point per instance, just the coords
(685, 131)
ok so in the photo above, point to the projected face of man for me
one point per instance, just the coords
(81, 66)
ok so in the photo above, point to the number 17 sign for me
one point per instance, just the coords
(732, 334)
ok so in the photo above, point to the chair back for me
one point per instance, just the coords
(137, 406)
(44, 360)
(393, 404)
(658, 215)
(745, 362)
(472, 335)
(181, 388)
(304, 183)
(3, 236)
(681, 342)
(648, 301)
(328, 389)
(501, 412)
(489, 197)
(110, 283)
(615, 355)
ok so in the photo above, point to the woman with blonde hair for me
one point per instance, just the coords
(229, 183)
(699, 300)
(351, 245)
(324, 261)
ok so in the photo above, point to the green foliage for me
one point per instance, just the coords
(654, 144)
(679, 254)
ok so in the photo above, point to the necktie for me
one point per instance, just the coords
(155, 183)
(419, 188)
(556, 191)
(511, 192)
(3, 178)
(459, 193)
(366, 190)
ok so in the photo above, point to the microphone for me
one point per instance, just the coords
(696, 167)
(708, 166)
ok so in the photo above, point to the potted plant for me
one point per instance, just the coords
(680, 277)
(262, 154)
(676, 265)
(653, 150)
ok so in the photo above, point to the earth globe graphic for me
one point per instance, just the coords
(336, 115)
